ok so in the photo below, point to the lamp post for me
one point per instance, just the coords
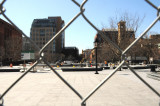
(95, 45)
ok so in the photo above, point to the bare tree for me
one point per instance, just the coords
(133, 23)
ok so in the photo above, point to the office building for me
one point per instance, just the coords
(43, 30)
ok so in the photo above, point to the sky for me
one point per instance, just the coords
(79, 34)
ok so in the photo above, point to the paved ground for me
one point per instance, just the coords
(46, 89)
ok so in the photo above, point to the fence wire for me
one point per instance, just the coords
(106, 38)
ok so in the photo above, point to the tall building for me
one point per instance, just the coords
(43, 30)
(10, 43)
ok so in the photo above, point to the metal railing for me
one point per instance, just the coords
(41, 54)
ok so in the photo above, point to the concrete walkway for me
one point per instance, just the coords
(46, 89)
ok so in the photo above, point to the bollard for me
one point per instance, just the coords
(11, 65)
(24, 67)
(153, 68)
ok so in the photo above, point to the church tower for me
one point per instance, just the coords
(121, 31)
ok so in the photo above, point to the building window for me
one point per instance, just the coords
(47, 30)
(54, 30)
(54, 47)
(42, 32)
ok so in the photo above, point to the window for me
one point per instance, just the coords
(47, 30)
(42, 32)
(54, 46)
(54, 30)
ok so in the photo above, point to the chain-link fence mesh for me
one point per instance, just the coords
(41, 54)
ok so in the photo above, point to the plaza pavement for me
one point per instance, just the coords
(44, 88)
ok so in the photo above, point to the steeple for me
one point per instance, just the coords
(121, 31)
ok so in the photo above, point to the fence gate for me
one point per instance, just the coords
(41, 54)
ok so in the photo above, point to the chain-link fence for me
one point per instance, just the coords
(41, 54)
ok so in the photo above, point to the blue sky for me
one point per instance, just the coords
(79, 33)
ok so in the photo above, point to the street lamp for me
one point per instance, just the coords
(95, 46)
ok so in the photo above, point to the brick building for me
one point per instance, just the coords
(121, 36)
(118, 36)
(155, 39)
(43, 30)
(10, 42)
(144, 49)
(147, 48)
(154, 42)
(87, 55)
